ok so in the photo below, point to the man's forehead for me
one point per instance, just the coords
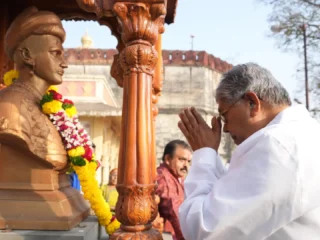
(183, 156)
(185, 153)
(220, 107)
(182, 149)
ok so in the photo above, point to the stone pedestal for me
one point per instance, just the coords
(61, 209)
(34, 196)
(86, 230)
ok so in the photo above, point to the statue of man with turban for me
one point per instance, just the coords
(33, 160)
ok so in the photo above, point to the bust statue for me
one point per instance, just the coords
(35, 192)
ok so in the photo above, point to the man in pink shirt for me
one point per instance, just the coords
(171, 173)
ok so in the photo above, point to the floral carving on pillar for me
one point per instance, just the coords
(139, 25)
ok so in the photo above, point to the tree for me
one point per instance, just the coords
(288, 17)
(288, 21)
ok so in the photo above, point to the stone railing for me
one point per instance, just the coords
(178, 58)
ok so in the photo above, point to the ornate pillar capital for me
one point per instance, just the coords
(140, 21)
(139, 25)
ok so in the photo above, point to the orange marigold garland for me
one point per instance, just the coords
(77, 142)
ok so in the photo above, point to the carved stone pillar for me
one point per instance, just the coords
(156, 92)
(140, 25)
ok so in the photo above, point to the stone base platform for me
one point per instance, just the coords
(86, 230)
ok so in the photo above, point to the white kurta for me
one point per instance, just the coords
(270, 191)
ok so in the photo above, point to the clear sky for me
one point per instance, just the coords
(234, 30)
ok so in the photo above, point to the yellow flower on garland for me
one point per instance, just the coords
(75, 152)
(72, 111)
(92, 193)
(113, 226)
(92, 167)
(52, 87)
(52, 107)
(10, 77)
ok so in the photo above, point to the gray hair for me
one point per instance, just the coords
(251, 77)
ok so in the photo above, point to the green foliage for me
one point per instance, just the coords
(46, 98)
(66, 106)
(78, 161)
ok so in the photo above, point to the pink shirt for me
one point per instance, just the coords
(171, 192)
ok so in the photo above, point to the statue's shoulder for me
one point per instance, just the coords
(22, 120)
(10, 96)
(15, 102)
(18, 112)
(10, 105)
(10, 119)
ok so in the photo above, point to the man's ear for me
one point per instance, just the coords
(167, 159)
(26, 57)
(254, 102)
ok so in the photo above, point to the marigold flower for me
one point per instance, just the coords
(52, 107)
(75, 152)
(53, 88)
(10, 76)
(71, 112)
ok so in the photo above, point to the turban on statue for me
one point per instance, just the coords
(32, 22)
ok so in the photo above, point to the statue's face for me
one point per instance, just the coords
(48, 56)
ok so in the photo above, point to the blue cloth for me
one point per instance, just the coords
(75, 183)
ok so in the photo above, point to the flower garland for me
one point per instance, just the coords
(77, 142)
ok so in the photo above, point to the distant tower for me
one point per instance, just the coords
(86, 41)
(192, 37)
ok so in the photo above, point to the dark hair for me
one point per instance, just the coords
(171, 147)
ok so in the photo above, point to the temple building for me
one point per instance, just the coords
(189, 79)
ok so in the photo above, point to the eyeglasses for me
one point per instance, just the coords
(221, 115)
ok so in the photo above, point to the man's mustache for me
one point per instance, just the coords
(186, 169)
